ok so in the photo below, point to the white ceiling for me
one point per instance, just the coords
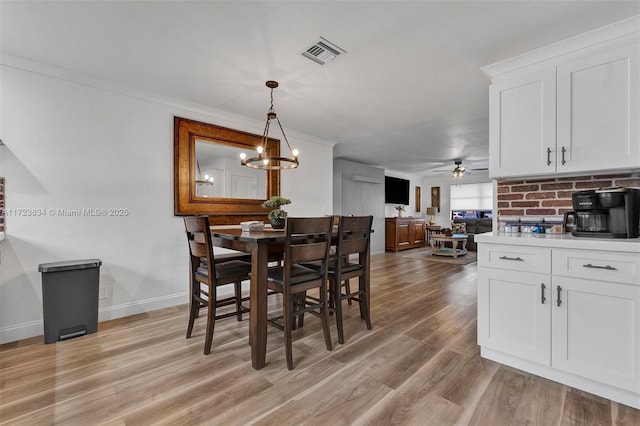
(408, 95)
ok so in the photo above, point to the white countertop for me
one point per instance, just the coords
(560, 241)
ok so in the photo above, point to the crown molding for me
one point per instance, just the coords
(225, 118)
(628, 28)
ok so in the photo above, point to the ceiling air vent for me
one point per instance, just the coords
(322, 51)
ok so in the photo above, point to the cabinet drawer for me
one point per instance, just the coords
(515, 258)
(597, 265)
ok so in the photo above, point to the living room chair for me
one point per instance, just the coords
(307, 240)
(207, 273)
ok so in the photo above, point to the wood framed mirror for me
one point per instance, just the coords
(230, 193)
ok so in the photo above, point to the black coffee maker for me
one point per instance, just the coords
(606, 213)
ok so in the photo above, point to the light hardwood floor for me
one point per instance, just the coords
(420, 365)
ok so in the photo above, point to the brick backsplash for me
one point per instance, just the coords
(552, 196)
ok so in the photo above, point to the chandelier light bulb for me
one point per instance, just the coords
(206, 177)
(260, 149)
(265, 161)
(243, 155)
(295, 152)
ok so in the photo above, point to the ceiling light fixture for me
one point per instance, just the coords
(458, 172)
(262, 160)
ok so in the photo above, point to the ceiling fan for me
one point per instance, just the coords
(459, 170)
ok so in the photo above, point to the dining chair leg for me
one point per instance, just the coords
(211, 319)
(324, 311)
(193, 311)
(338, 310)
(237, 288)
(347, 290)
(287, 325)
(332, 299)
(295, 300)
(303, 298)
(365, 314)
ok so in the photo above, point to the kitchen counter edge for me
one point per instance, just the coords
(568, 241)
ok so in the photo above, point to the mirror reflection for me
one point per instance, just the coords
(219, 174)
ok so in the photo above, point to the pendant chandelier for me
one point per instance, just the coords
(262, 160)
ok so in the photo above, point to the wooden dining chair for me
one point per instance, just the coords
(307, 240)
(207, 273)
(354, 238)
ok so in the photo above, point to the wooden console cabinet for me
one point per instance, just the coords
(402, 233)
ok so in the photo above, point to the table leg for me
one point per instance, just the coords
(454, 245)
(258, 313)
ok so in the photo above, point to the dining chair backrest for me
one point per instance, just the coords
(308, 239)
(200, 246)
(207, 273)
(354, 236)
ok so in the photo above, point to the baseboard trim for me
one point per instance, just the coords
(35, 328)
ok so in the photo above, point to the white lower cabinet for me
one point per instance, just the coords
(576, 321)
(513, 317)
(595, 331)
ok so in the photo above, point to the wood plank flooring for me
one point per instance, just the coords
(420, 365)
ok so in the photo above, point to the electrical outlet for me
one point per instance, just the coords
(103, 292)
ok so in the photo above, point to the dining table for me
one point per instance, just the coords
(264, 246)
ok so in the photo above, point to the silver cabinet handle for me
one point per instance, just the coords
(519, 259)
(548, 156)
(542, 298)
(563, 150)
(559, 291)
(608, 268)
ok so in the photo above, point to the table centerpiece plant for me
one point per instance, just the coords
(400, 209)
(277, 216)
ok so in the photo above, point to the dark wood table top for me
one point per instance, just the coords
(233, 232)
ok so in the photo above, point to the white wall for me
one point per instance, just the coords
(74, 143)
(357, 196)
(443, 218)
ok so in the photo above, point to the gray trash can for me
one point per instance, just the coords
(70, 298)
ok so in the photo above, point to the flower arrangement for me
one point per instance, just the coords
(276, 202)
(400, 209)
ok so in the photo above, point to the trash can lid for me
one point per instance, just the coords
(69, 265)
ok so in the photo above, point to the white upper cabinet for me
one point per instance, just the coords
(572, 108)
(597, 112)
(522, 124)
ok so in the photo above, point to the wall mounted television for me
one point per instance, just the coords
(396, 190)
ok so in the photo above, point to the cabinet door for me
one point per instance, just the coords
(598, 112)
(522, 124)
(596, 331)
(513, 315)
(419, 233)
(404, 230)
